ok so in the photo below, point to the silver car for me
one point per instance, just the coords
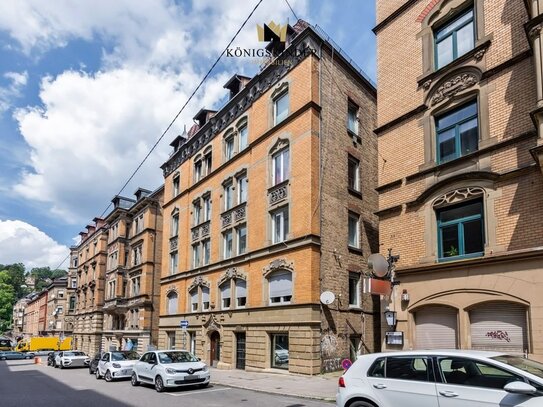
(170, 368)
(116, 365)
(71, 358)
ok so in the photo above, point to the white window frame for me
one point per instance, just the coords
(356, 163)
(196, 255)
(174, 262)
(228, 196)
(229, 147)
(284, 162)
(196, 212)
(207, 208)
(237, 296)
(353, 107)
(282, 298)
(175, 225)
(276, 118)
(176, 183)
(206, 251)
(242, 186)
(238, 238)
(353, 277)
(240, 131)
(205, 304)
(227, 251)
(356, 217)
(226, 301)
(279, 215)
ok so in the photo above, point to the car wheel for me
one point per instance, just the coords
(2, 358)
(61, 366)
(361, 403)
(108, 376)
(90, 370)
(97, 374)
(134, 380)
(159, 384)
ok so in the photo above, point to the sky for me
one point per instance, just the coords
(87, 87)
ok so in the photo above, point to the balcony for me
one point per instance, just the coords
(140, 301)
(115, 304)
(174, 241)
(201, 231)
(234, 215)
(278, 193)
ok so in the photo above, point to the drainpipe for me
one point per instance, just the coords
(154, 271)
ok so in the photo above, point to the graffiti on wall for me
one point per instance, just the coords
(329, 352)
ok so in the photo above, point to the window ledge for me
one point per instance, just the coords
(353, 134)
(355, 250)
(460, 257)
(354, 192)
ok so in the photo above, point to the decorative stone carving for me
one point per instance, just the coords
(226, 219)
(279, 145)
(230, 273)
(239, 214)
(480, 54)
(212, 324)
(426, 84)
(535, 31)
(173, 243)
(197, 282)
(278, 264)
(277, 194)
(451, 87)
(204, 230)
(458, 195)
(195, 233)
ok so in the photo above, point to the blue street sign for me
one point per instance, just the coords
(184, 324)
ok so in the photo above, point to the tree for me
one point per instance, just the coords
(44, 275)
(16, 279)
(7, 299)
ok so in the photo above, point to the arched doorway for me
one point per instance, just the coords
(215, 348)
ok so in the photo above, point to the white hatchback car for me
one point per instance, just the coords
(116, 365)
(170, 368)
(71, 358)
(441, 379)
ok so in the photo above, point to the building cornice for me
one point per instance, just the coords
(394, 15)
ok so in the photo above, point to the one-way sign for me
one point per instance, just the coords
(184, 324)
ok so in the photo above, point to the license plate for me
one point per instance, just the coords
(191, 377)
(125, 372)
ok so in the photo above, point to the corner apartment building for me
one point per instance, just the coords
(269, 202)
(460, 178)
(132, 289)
(18, 317)
(35, 315)
(58, 295)
(89, 259)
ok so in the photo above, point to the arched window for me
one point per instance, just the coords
(280, 287)
(172, 303)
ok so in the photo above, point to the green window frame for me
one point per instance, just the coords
(459, 129)
(461, 223)
(447, 38)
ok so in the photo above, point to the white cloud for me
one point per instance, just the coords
(13, 89)
(22, 242)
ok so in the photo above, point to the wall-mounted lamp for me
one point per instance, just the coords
(390, 317)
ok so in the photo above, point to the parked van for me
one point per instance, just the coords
(39, 343)
(5, 344)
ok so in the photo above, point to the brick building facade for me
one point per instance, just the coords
(259, 201)
(35, 315)
(58, 295)
(460, 183)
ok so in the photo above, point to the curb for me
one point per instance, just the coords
(303, 396)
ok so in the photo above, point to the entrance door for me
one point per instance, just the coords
(215, 349)
(240, 351)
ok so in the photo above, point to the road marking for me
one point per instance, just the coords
(196, 392)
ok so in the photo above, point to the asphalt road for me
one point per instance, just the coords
(22, 383)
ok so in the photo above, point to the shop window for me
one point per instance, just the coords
(280, 351)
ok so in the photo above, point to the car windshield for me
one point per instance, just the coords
(176, 357)
(119, 356)
(528, 365)
(69, 354)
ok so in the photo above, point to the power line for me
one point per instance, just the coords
(184, 105)
(291, 9)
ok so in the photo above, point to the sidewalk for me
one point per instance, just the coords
(321, 387)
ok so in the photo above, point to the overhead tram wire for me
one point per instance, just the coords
(184, 105)
(291, 9)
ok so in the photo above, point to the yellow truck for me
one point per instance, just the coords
(38, 343)
(5, 344)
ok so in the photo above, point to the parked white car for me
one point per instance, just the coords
(441, 379)
(72, 358)
(116, 365)
(170, 368)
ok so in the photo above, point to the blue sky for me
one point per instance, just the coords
(87, 87)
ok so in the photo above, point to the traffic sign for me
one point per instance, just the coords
(346, 364)
(184, 324)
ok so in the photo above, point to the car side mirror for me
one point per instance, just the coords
(520, 388)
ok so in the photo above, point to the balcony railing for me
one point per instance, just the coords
(201, 231)
(234, 215)
(278, 193)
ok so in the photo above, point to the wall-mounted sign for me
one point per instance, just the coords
(394, 338)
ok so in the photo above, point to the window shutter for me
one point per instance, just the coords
(205, 294)
(281, 284)
(172, 304)
(194, 297)
(241, 289)
(225, 290)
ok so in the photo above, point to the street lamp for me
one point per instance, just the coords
(390, 317)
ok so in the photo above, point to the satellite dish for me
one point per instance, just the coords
(328, 297)
(378, 264)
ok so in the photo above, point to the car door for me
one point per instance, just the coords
(466, 382)
(102, 363)
(141, 367)
(151, 366)
(404, 381)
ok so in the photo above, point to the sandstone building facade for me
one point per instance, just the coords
(460, 177)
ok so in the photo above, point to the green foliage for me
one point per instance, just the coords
(7, 299)
(16, 278)
(44, 275)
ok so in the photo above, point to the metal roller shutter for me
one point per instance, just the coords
(499, 326)
(436, 328)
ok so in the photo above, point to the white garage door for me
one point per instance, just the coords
(436, 328)
(499, 326)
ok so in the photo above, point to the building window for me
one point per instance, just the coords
(192, 339)
(227, 244)
(352, 118)
(175, 186)
(71, 306)
(241, 293)
(229, 147)
(136, 286)
(194, 300)
(241, 239)
(208, 160)
(138, 224)
(205, 298)
(460, 230)
(228, 196)
(280, 108)
(280, 284)
(172, 303)
(280, 166)
(196, 212)
(207, 208)
(171, 339)
(175, 225)
(243, 137)
(354, 230)
(280, 225)
(354, 290)
(197, 171)
(225, 295)
(454, 39)
(196, 255)
(279, 351)
(242, 189)
(353, 173)
(136, 256)
(173, 262)
(74, 283)
(457, 132)
(206, 248)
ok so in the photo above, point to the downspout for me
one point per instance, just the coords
(320, 191)
(154, 271)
